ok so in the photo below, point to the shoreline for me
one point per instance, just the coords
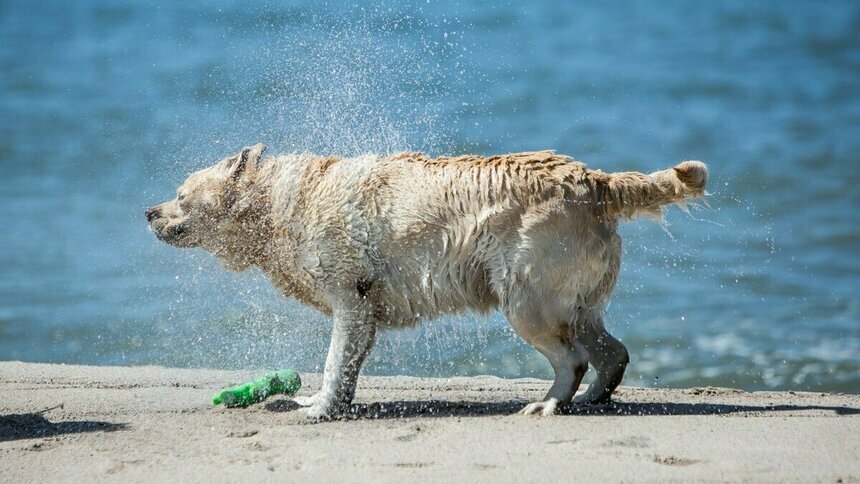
(143, 423)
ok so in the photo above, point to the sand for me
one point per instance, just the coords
(149, 424)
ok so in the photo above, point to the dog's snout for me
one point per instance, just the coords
(151, 213)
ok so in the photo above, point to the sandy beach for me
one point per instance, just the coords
(139, 424)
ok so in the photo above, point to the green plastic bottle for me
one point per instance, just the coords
(284, 381)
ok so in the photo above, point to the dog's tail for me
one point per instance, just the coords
(629, 194)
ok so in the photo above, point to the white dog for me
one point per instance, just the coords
(386, 241)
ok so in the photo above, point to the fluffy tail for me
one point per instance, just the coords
(630, 193)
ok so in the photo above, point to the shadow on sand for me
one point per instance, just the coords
(35, 425)
(441, 408)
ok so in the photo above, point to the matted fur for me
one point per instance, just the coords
(386, 241)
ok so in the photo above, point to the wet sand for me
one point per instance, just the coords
(148, 424)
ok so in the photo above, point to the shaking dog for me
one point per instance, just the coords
(381, 242)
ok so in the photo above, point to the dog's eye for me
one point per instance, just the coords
(181, 197)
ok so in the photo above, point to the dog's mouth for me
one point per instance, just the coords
(175, 234)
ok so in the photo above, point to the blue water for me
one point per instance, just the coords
(106, 106)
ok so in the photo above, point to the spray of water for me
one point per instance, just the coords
(329, 87)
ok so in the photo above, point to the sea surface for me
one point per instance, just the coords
(105, 107)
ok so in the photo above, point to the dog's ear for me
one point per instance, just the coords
(245, 163)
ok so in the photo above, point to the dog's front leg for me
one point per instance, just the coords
(351, 341)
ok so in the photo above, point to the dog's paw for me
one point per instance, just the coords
(545, 408)
(318, 412)
(307, 401)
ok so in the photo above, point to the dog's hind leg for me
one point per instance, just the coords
(581, 356)
(351, 340)
(550, 339)
(608, 356)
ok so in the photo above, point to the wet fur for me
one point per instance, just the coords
(387, 241)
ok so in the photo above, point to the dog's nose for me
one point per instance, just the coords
(151, 213)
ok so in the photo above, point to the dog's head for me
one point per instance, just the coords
(203, 212)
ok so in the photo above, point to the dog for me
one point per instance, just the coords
(385, 241)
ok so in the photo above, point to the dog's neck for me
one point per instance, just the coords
(246, 239)
(264, 228)
(275, 227)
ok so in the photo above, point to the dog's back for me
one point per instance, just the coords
(451, 234)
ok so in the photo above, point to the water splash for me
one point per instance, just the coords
(372, 83)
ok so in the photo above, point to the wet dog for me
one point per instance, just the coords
(382, 242)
